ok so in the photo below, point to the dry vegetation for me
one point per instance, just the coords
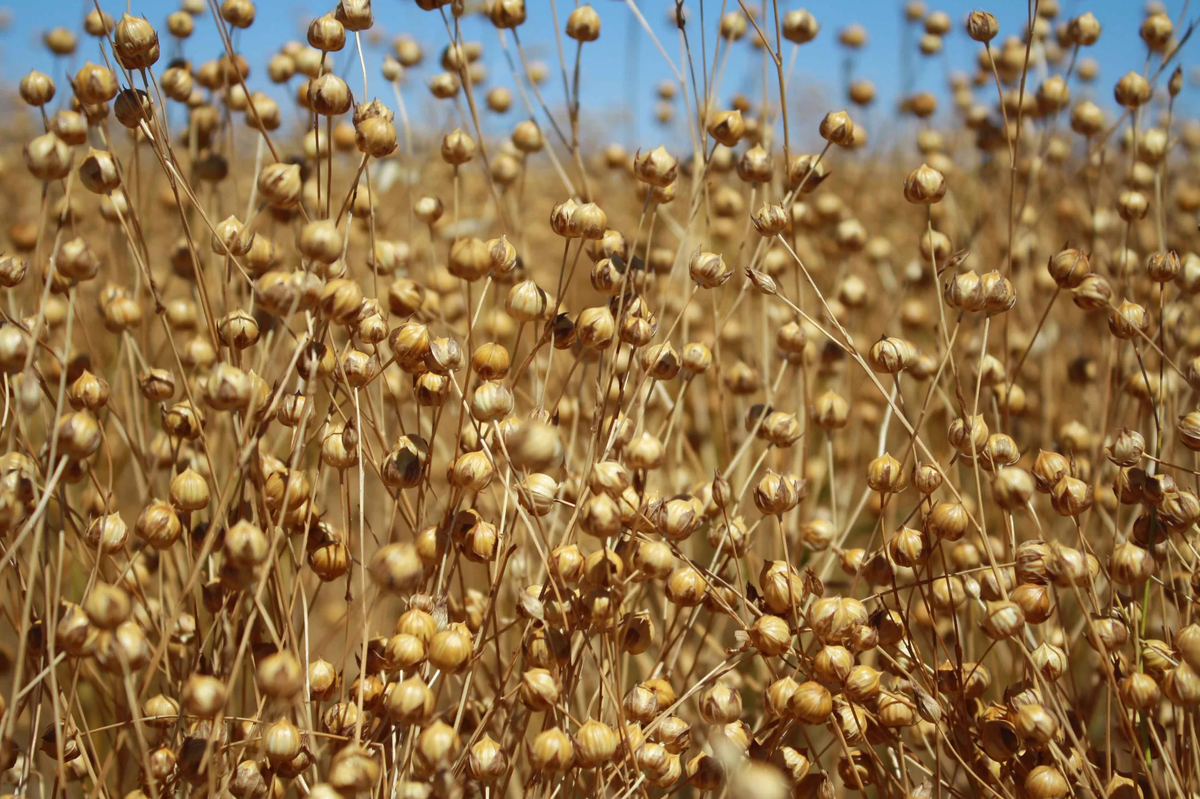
(344, 456)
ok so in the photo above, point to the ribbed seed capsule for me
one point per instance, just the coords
(551, 750)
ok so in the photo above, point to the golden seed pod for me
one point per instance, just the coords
(36, 88)
(1156, 31)
(1084, 30)
(327, 34)
(457, 147)
(88, 392)
(280, 184)
(328, 95)
(486, 760)
(708, 269)
(355, 15)
(727, 127)
(354, 768)
(837, 128)
(924, 186)
(12, 270)
(279, 675)
(450, 650)
(397, 568)
(281, 741)
(189, 491)
(180, 24)
(833, 619)
(1131, 565)
(78, 435)
(540, 689)
(595, 744)
(551, 750)
(1071, 496)
(1138, 691)
(769, 219)
(655, 168)
(321, 241)
(507, 13)
(1132, 90)
(1046, 782)
(204, 696)
(1002, 619)
(238, 13)
(158, 525)
(800, 27)
(47, 157)
(583, 24)
(811, 703)
(410, 702)
(830, 411)
(135, 43)
(982, 26)
(94, 84)
(770, 635)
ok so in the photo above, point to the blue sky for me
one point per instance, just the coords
(621, 67)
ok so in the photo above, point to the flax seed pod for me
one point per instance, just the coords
(770, 635)
(551, 751)
(782, 588)
(595, 743)
(924, 186)
(410, 702)
(487, 760)
(1002, 619)
(811, 703)
(655, 168)
(47, 157)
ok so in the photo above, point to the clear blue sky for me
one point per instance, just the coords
(607, 77)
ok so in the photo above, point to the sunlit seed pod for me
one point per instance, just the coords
(355, 15)
(189, 491)
(281, 741)
(595, 743)
(1181, 685)
(1071, 496)
(891, 355)
(48, 157)
(1046, 782)
(88, 392)
(246, 546)
(321, 241)
(655, 168)
(410, 701)
(770, 635)
(1138, 691)
(686, 587)
(78, 434)
(158, 525)
(397, 568)
(924, 186)
(486, 760)
(811, 703)
(450, 650)
(204, 696)
(782, 588)
(1012, 488)
(885, 475)
(775, 494)
(1130, 564)
(94, 84)
(965, 292)
(674, 733)
(551, 751)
